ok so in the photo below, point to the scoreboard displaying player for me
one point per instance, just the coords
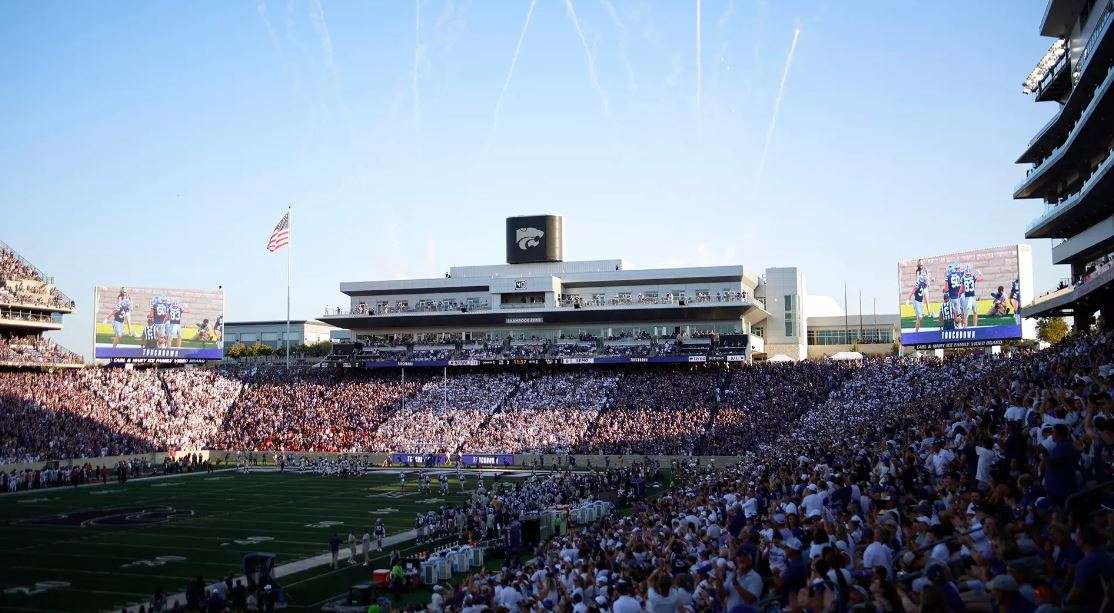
(968, 298)
(149, 324)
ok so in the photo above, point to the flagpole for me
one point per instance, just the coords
(289, 268)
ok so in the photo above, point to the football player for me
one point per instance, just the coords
(176, 309)
(161, 308)
(918, 294)
(970, 302)
(121, 316)
(954, 286)
(1015, 299)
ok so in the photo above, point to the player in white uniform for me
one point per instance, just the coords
(970, 300)
(177, 309)
(917, 296)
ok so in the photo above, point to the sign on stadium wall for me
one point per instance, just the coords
(601, 360)
(490, 459)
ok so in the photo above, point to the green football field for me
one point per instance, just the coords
(932, 321)
(101, 548)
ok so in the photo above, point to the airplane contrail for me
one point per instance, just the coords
(418, 52)
(317, 17)
(510, 74)
(622, 28)
(592, 76)
(261, 7)
(777, 105)
(699, 61)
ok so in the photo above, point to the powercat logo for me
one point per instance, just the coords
(526, 238)
(112, 517)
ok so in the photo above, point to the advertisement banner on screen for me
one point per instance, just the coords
(154, 324)
(969, 298)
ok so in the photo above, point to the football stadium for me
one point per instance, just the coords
(548, 433)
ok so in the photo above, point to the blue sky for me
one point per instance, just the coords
(157, 143)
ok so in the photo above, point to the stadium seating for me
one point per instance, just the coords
(898, 483)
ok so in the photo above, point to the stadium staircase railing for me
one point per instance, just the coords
(487, 420)
(721, 388)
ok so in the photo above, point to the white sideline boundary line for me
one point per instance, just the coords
(295, 567)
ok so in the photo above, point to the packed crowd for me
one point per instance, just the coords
(915, 485)
(58, 416)
(311, 412)
(548, 414)
(757, 400)
(36, 350)
(442, 414)
(659, 413)
(12, 266)
(22, 283)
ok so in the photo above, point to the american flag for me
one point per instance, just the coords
(281, 234)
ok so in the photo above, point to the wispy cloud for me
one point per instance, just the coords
(321, 27)
(699, 60)
(593, 76)
(510, 75)
(777, 106)
(621, 28)
(419, 57)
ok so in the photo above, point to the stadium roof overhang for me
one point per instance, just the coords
(1060, 16)
(542, 317)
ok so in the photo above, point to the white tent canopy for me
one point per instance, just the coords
(846, 355)
(781, 357)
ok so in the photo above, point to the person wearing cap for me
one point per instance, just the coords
(795, 575)
(1003, 588)
(436, 600)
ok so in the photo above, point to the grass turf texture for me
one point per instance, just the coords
(103, 563)
(932, 321)
(189, 336)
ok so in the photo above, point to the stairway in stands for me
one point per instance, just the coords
(498, 409)
(721, 392)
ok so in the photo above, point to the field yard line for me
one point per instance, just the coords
(70, 488)
(291, 568)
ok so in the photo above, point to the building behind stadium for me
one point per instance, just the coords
(1072, 156)
(539, 296)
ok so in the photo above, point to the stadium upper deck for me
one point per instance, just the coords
(1073, 153)
(538, 295)
(30, 305)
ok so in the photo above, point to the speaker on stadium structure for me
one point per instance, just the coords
(681, 302)
(576, 305)
(531, 531)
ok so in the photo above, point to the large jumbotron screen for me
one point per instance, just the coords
(968, 298)
(158, 324)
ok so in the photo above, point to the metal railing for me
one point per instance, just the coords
(1096, 35)
(1073, 132)
(1053, 209)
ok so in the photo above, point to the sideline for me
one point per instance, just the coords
(292, 568)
